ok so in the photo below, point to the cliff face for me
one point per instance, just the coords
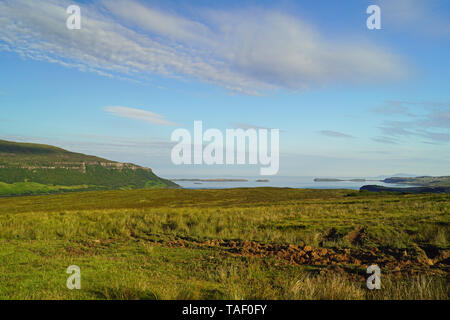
(48, 165)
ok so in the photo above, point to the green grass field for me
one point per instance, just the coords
(261, 243)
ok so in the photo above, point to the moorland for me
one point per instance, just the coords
(258, 243)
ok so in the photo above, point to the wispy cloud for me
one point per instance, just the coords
(423, 17)
(385, 140)
(425, 119)
(335, 134)
(138, 114)
(392, 108)
(246, 51)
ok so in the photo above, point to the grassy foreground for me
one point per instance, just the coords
(262, 243)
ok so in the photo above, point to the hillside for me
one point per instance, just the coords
(27, 168)
(425, 181)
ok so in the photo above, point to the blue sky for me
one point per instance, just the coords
(349, 101)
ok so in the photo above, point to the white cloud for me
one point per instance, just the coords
(158, 22)
(138, 114)
(246, 51)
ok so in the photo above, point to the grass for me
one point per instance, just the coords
(33, 188)
(149, 244)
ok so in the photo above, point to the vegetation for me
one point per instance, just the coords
(261, 243)
(17, 154)
(375, 188)
(32, 168)
(33, 188)
(443, 181)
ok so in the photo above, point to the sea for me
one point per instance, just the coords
(283, 182)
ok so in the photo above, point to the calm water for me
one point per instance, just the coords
(282, 182)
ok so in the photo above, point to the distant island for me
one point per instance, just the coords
(336, 180)
(424, 181)
(423, 184)
(218, 180)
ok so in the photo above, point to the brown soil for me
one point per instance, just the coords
(409, 261)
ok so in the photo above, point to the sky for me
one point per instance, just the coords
(348, 101)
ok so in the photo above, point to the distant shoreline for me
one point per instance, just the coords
(341, 180)
(211, 180)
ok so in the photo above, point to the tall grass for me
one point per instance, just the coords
(120, 241)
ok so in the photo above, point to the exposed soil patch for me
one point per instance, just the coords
(357, 236)
(409, 261)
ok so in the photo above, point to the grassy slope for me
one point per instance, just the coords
(66, 176)
(33, 188)
(122, 242)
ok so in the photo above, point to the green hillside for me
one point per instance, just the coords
(27, 168)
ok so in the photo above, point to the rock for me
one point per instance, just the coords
(307, 248)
